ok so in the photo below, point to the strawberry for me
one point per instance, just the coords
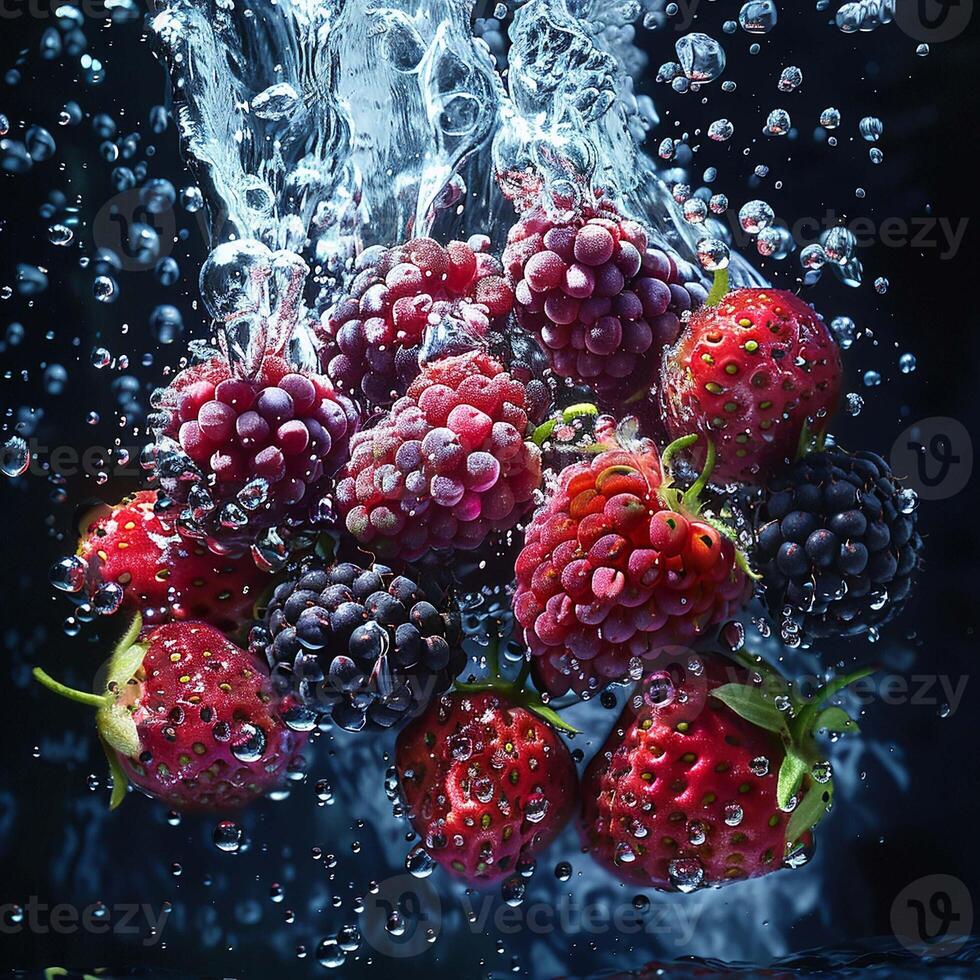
(705, 780)
(189, 718)
(619, 564)
(751, 372)
(134, 559)
(486, 780)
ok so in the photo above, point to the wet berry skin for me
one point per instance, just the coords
(837, 546)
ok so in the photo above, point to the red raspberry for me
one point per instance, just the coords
(615, 567)
(242, 455)
(448, 464)
(750, 373)
(603, 304)
(373, 335)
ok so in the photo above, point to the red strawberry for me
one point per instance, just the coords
(750, 373)
(189, 718)
(704, 780)
(616, 566)
(487, 782)
(135, 560)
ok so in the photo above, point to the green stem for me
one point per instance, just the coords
(541, 434)
(718, 288)
(808, 716)
(692, 494)
(92, 700)
(667, 456)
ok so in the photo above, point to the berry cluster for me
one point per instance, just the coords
(362, 645)
(837, 545)
(450, 463)
(374, 334)
(603, 304)
(241, 455)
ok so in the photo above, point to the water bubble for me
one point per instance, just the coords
(15, 457)
(39, 143)
(721, 130)
(695, 210)
(922, 50)
(881, 285)
(830, 118)
(68, 574)
(158, 195)
(778, 123)
(666, 150)
(563, 871)
(101, 358)
(685, 874)
(191, 199)
(166, 323)
(713, 254)
(228, 836)
(906, 363)
(60, 235)
(718, 204)
(419, 863)
(105, 290)
(758, 16)
(871, 379)
(790, 79)
(871, 128)
(167, 271)
(659, 690)
(31, 281)
(754, 216)
(276, 102)
(701, 57)
(845, 330)
(876, 155)
(838, 245)
(158, 119)
(853, 403)
(330, 955)
(249, 744)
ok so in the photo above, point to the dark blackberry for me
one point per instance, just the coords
(362, 645)
(837, 546)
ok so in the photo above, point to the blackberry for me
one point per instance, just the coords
(365, 646)
(837, 546)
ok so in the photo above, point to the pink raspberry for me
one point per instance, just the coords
(373, 335)
(448, 464)
(242, 455)
(615, 568)
(603, 303)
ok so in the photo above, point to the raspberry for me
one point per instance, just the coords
(362, 645)
(447, 465)
(837, 546)
(374, 335)
(603, 304)
(617, 566)
(239, 456)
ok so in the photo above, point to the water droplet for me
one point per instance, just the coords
(685, 874)
(15, 457)
(228, 836)
(758, 16)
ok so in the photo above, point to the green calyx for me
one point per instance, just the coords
(515, 690)
(568, 415)
(796, 721)
(719, 288)
(113, 710)
(688, 502)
